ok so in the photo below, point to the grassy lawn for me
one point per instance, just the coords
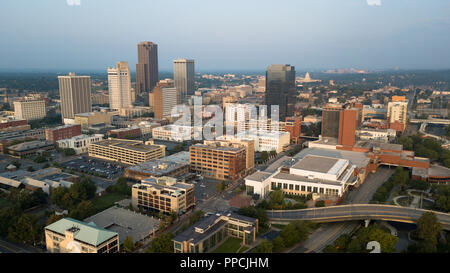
(243, 249)
(107, 200)
(278, 226)
(231, 245)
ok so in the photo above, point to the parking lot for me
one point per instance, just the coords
(96, 167)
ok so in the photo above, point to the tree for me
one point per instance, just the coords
(162, 244)
(25, 230)
(69, 152)
(53, 218)
(120, 187)
(428, 228)
(264, 156)
(128, 244)
(264, 247)
(30, 169)
(83, 210)
(278, 245)
(320, 203)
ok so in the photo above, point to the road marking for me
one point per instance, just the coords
(327, 238)
(8, 248)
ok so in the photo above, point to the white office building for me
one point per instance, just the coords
(119, 84)
(321, 176)
(264, 140)
(30, 110)
(79, 143)
(173, 132)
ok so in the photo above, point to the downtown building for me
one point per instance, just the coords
(183, 73)
(62, 132)
(218, 159)
(281, 89)
(119, 85)
(130, 152)
(397, 113)
(30, 109)
(75, 95)
(165, 97)
(72, 236)
(147, 67)
(163, 194)
(79, 144)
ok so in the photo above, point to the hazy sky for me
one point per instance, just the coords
(226, 34)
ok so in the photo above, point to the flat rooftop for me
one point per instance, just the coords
(356, 158)
(157, 167)
(300, 178)
(320, 164)
(125, 223)
(137, 146)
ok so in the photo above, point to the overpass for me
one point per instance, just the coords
(432, 121)
(355, 212)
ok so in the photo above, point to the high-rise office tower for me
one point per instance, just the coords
(119, 84)
(183, 74)
(75, 95)
(330, 120)
(165, 97)
(147, 67)
(280, 89)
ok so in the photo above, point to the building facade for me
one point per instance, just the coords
(219, 160)
(79, 143)
(119, 85)
(62, 132)
(30, 110)
(75, 94)
(183, 73)
(126, 151)
(163, 194)
(72, 236)
(280, 89)
(147, 67)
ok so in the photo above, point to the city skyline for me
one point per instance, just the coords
(331, 34)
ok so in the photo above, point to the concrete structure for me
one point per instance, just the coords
(8, 137)
(147, 67)
(30, 148)
(125, 133)
(156, 168)
(397, 113)
(325, 177)
(13, 124)
(212, 230)
(75, 94)
(355, 213)
(126, 151)
(264, 140)
(30, 110)
(126, 223)
(180, 157)
(293, 125)
(383, 135)
(79, 143)
(173, 133)
(119, 85)
(219, 160)
(163, 194)
(183, 73)
(165, 98)
(62, 132)
(72, 236)
(88, 119)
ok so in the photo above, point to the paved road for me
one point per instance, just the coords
(328, 232)
(9, 247)
(356, 212)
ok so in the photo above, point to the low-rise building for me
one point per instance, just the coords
(125, 133)
(264, 140)
(126, 151)
(325, 177)
(88, 119)
(163, 194)
(62, 132)
(79, 143)
(30, 148)
(173, 133)
(212, 230)
(126, 223)
(72, 236)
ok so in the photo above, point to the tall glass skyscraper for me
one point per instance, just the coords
(280, 89)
